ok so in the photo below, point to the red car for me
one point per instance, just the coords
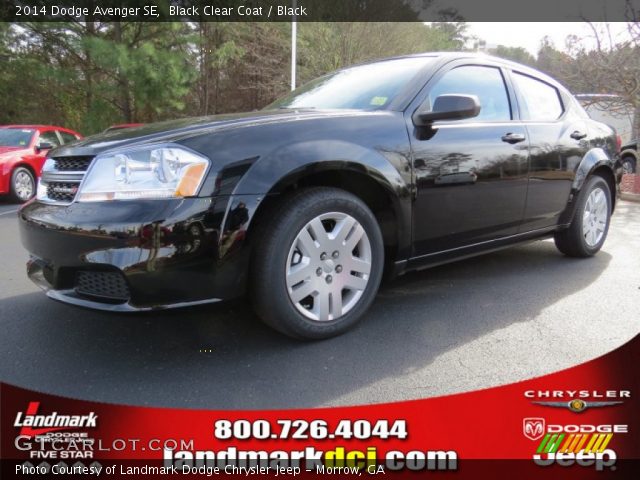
(23, 149)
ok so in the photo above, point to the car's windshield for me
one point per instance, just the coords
(365, 87)
(15, 137)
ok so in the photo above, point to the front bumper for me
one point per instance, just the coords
(139, 255)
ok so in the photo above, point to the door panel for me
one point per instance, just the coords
(471, 186)
(471, 175)
(559, 139)
(555, 157)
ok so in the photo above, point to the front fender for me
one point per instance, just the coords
(5, 176)
(304, 158)
(391, 170)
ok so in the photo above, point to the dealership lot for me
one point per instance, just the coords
(496, 319)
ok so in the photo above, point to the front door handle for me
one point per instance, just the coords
(578, 135)
(513, 138)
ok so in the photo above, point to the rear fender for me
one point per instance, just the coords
(594, 159)
(630, 153)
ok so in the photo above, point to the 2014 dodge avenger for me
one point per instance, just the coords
(392, 166)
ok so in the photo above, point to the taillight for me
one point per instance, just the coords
(618, 143)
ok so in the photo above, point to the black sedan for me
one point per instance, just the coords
(389, 166)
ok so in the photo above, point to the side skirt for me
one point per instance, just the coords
(468, 251)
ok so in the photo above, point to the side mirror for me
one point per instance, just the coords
(43, 146)
(449, 107)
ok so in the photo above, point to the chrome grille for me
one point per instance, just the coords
(72, 164)
(62, 192)
(61, 178)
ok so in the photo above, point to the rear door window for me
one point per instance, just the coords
(49, 137)
(67, 137)
(541, 101)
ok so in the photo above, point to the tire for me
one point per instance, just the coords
(628, 165)
(23, 185)
(300, 249)
(588, 230)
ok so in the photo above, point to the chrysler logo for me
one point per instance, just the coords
(533, 428)
(577, 405)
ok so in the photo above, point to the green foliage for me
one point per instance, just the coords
(89, 75)
(517, 54)
(324, 47)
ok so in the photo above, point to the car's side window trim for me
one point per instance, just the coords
(514, 100)
(46, 132)
(66, 141)
(522, 101)
(38, 137)
(423, 97)
(60, 139)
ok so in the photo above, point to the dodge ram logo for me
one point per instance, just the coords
(533, 428)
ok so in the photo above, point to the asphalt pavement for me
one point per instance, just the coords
(491, 320)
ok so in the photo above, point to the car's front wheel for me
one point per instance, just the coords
(23, 185)
(588, 230)
(317, 263)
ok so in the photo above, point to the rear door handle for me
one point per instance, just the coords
(513, 138)
(578, 135)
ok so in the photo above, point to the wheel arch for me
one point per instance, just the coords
(387, 202)
(595, 161)
(630, 153)
(26, 165)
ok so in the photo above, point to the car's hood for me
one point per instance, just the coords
(175, 130)
(5, 149)
(7, 152)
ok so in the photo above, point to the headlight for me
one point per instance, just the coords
(152, 172)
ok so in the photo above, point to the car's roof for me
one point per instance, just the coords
(597, 95)
(457, 55)
(36, 127)
(126, 125)
(445, 57)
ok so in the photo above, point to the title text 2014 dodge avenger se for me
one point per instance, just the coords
(399, 164)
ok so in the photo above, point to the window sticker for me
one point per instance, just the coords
(378, 101)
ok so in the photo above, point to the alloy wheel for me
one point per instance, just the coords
(23, 185)
(328, 266)
(594, 218)
(627, 167)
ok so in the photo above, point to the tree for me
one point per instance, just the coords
(324, 47)
(612, 67)
(88, 75)
(517, 54)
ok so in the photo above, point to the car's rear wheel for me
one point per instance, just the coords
(23, 185)
(588, 230)
(628, 165)
(317, 264)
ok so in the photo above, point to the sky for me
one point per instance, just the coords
(529, 34)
